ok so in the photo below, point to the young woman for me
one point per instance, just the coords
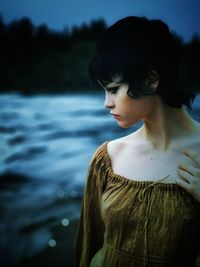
(141, 204)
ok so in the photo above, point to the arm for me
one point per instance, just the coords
(89, 238)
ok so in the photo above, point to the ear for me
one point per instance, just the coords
(154, 85)
(153, 79)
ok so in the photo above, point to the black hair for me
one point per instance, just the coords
(134, 48)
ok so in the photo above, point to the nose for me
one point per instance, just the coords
(109, 103)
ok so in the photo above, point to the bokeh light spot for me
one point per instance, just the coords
(65, 222)
(52, 243)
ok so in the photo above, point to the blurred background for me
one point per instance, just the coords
(52, 119)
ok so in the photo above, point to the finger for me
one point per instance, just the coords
(184, 175)
(182, 183)
(193, 155)
(188, 168)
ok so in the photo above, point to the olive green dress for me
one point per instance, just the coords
(127, 223)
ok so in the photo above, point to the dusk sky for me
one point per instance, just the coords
(182, 16)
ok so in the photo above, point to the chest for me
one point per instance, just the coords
(148, 166)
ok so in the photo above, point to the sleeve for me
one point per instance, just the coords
(89, 236)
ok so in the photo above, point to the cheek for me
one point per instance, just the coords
(131, 107)
(135, 110)
(125, 102)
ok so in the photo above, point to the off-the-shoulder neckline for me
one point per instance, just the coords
(129, 181)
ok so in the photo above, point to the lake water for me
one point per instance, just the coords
(46, 146)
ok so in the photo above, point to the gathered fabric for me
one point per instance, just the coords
(131, 223)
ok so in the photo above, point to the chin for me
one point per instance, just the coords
(125, 125)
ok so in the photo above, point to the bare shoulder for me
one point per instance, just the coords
(119, 145)
(114, 147)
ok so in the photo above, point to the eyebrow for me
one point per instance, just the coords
(110, 86)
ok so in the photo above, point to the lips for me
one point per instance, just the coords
(115, 115)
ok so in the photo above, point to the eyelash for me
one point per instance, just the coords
(113, 90)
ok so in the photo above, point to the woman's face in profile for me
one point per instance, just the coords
(126, 110)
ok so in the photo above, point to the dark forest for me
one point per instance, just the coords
(36, 59)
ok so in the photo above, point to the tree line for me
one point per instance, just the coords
(36, 59)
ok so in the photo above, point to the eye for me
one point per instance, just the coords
(112, 90)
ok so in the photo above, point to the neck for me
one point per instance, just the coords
(165, 125)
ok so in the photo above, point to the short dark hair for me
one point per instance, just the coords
(133, 47)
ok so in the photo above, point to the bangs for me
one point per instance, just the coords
(118, 62)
